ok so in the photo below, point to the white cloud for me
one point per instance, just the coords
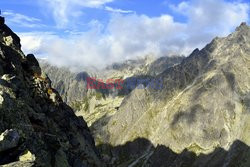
(210, 18)
(35, 42)
(125, 38)
(131, 35)
(214, 13)
(21, 20)
(64, 10)
(114, 10)
(92, 3)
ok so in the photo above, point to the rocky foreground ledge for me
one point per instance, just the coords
(36, 127)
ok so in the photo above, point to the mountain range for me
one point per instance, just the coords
(198, 117)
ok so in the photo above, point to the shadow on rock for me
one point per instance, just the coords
(142, 153)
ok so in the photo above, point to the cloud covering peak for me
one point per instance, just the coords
(127, 36)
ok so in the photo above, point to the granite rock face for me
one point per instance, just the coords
(97, 106)
(71, 86)
(37, 128)
(200, 117)
(203, 105)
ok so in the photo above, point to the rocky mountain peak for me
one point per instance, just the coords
(242, 33)
(202, 106)
(36, 126)
(243, 27)
(7, 36)
(2, 20)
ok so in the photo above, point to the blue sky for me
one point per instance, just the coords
(36, 9)
(98, 32)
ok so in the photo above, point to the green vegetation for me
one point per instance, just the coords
(76, 105)
(114, 123)
(100, 105)
(86, 102)
(98, 96)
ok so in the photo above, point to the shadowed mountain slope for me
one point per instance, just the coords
(37, 128)
(203, 105)
(141, 152)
